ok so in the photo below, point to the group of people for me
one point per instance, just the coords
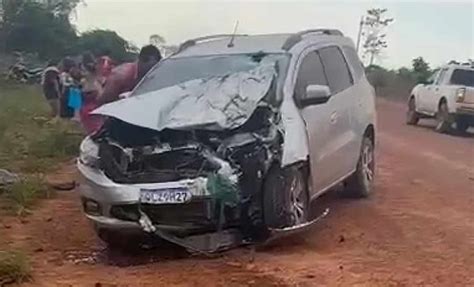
(77, 88)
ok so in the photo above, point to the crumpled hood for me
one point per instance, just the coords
(217, 103)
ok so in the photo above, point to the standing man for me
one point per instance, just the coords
(51, 88)
(124, 77)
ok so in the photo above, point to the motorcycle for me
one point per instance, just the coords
(21, 74)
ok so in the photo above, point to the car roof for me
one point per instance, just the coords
(245, 44)
(458, 66)
(242, 44)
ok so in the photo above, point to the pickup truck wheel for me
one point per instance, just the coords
(462, 125)
(412, 115)
(443, 119)
(285, 197)
(361, 183)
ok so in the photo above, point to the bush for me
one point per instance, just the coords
(14, 267)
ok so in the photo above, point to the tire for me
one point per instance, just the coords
(462, 125)
(412, 116)
(285, 197)
(361, 183)
(443, 119)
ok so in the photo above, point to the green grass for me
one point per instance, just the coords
(29, 141)
(14, 267)
(31, 144)
(20, 197)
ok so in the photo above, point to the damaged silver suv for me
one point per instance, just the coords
(228, 140)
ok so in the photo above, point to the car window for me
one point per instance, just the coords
(442, 73)
(433, 76)
(311, 72)
(463, 77)
(354, 61)
(336, 69)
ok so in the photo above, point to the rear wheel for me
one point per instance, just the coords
(412, 115)
(286, 201)
(361, 183)
(443, 124)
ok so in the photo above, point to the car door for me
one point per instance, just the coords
(344, 142)
(324, 124)
(426, 93)
(437, 91)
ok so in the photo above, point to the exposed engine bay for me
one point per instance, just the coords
(230, 165)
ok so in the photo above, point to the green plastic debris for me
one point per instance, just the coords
(223, 189)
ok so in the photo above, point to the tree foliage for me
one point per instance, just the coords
(374, 24)
(101, 42)
(397, 84)
(421, 69)
(43, 27)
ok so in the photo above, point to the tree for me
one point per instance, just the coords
(29, 26)
(421, 69)
(101, 42)
(37, 26)
(373, 26)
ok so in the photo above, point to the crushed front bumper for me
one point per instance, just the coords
(114, 206)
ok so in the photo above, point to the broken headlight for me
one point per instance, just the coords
(89, 153)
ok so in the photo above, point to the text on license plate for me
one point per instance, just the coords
(163, 196)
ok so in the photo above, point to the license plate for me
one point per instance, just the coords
(165, 196)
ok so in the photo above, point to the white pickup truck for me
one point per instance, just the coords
(448, 96)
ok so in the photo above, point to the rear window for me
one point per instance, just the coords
(336, 69)
(463, 77)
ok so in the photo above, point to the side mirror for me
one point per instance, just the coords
(315, 95)
(426, 82)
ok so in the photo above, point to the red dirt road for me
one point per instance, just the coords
(417, 230)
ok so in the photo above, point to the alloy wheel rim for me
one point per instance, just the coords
(368, 166)
(298, 210)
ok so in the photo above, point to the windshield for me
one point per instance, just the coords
(174, 71)
(463, 77)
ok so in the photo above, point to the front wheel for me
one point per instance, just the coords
(285, 198)
(361, 183)
(412, 115)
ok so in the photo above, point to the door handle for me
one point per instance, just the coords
(333, 117)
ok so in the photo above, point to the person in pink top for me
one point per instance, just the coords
(124, 77)
(120, 80)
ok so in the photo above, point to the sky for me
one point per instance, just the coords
(439, 31)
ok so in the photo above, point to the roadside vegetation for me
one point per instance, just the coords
(397, 84)
(31, 144)
(14, 267)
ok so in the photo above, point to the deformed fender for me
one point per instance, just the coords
(295, 140)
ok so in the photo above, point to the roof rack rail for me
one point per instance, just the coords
(191, 42)
(295, 38)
